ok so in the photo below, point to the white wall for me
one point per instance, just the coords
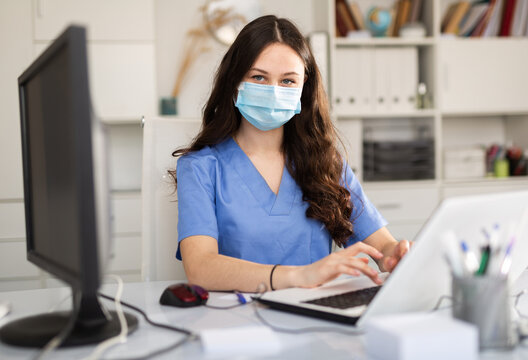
(174, 18)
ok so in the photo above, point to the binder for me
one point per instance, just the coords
(382, 66)
(410, 60)
(520, 18)
(353, 87)
(494, 25)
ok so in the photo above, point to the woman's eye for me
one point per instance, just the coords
(287, 82)
(258, 77)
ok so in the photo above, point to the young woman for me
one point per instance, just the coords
(263, 190)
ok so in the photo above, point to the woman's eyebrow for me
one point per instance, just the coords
(265, 72)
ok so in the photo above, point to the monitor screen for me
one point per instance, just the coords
(54, 191)
(65, 194)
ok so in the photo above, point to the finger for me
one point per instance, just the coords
(365, 260)
(345, 269)
(365, 269)
(389, 263)
(403, 247)
(364, 248)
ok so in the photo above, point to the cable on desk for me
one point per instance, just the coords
(523, 332)
(439, 302)
(241, 302)
(300, 330)
(147, 319)
(58, 339)
(189, 335)
(162, 350)
(123, 333)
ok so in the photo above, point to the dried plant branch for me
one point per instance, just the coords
(197, 38)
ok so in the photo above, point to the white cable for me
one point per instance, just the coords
(58, 339)
(122, 336)
(55, 307)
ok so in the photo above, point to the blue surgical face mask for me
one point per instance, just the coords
(268, 107)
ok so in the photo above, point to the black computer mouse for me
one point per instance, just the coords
(184, 295)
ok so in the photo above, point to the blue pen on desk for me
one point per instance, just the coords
(241, 298)
(507, 261)
(470, 258)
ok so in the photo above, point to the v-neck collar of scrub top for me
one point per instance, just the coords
(274, 204)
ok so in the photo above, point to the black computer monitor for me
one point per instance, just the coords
(65, 193)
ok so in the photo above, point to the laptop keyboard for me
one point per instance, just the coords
(348, 299)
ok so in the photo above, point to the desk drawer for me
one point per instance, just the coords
(407, 231)
(404, 204)
(127, 254)
(476, 189)
(12, 220)
(13, 261)
(127, 213)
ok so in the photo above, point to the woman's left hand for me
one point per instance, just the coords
(394, 256)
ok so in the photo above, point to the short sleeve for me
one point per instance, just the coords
(196, 197)
(365, 218)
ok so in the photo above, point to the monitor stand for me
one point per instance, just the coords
(93, 324)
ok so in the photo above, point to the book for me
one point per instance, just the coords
(390, 29)
(474, 15)
(448, 15)
(346, 15)
(404, 7)
(481, 26)
(494, 24)
(357, 15)
(509, 7)
(452, 26)
(341, 28)
(520, 18)
(416, 9)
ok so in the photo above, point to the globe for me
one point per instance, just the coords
(378, 20)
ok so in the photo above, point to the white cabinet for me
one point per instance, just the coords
(405, 204)
(121, 61)
(16, 50)
(119, 20)
(477, 96)
(122, 80)
(484, 76)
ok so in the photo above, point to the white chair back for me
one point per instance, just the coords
(161, 136)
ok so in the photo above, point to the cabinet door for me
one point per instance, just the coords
(17, 48)
(12, 221)
(409, 205)
(122, 80)
(105, 20)
(484, 75)
(353, 79)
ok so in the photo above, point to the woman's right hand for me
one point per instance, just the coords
(337, 263)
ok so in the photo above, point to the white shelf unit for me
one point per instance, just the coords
(478, 88)
(121, 50)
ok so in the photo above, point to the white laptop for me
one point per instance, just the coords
(422, 277)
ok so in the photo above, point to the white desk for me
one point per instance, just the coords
(148, 338)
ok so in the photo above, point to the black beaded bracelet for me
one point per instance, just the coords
(271, 276)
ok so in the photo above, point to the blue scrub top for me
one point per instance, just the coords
(221, 194)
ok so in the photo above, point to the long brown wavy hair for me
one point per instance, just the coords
(310, 138)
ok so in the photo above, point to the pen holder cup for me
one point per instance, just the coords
(484, 301)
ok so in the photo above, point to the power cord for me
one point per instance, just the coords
(58, 339)
(122, 336)
(241, 302)
(523, 318)
(147, 319)
(439, 302)
(189, 335)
